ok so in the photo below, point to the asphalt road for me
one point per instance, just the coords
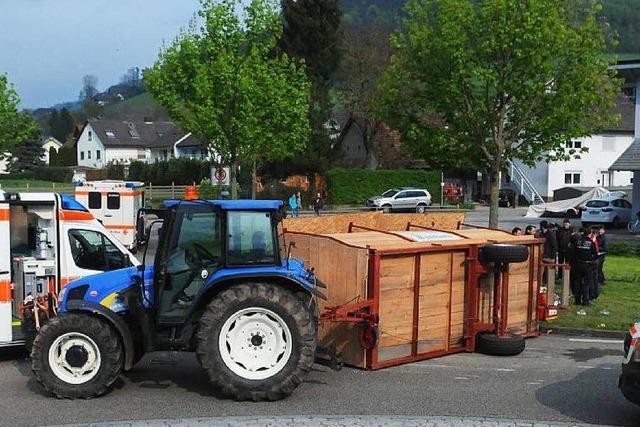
(555, 379)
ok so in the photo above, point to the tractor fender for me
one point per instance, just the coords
(80, 306)
(219, 284)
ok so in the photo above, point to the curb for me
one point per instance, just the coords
(576, 332)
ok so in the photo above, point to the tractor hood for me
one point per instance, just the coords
(103, 288)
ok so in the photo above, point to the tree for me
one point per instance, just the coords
(311, 32)
(506, 79)
(60, 124)
(89, 87)
(132, 78)
(223, 84)
(28, 155)
(366, 55)
(15, 127)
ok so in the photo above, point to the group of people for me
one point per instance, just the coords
(583, 249)
(295, 204)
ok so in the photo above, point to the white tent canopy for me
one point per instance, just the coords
(563, 206)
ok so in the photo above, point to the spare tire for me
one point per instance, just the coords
(492, 344)
(504, 253)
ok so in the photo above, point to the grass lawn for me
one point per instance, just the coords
(620, 296)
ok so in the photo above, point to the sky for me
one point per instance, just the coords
(47, 46)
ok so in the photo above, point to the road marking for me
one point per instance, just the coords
(585, 367)
(461, 378)
(596, 340)
(608, 368)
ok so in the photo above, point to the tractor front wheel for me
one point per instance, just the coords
(256, 341)
(77, 356)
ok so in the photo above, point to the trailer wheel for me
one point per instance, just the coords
(77, 356)
(489, 343)
(256, 341)
(504, 253)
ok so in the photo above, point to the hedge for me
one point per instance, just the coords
(355, 186)
(623, 248)
(54, 174)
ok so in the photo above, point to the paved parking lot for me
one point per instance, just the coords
(557, 379)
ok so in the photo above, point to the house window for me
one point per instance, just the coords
(97, 154)
(90, 135)
(82, 155)
(88, 154)
(572, 178)
(574, 144)
(164, 154)
(110, 134)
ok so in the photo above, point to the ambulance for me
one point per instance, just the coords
(48, 240)
(115, 204)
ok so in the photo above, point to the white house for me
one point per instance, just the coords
(114, 141)
(590, 170)
(47, 145)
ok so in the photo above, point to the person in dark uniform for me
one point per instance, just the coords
(595, 286)
(564, 236)
(571, 259)
(586, 255)
(549, 247)
(602, 244)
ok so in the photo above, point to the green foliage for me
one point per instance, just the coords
(176, 171)
(43, 176)
(276, 190)
(65, 156)
(479, 83)
(15, 127)
(115, 171)
(223, 84)
(28, 155)
(61, 124)
(355, 186)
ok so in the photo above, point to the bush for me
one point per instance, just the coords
(176, 171)
(276, 190)
(355, 186)
(623, 248)
(53, 174)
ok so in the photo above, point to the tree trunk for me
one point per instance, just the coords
(233, 172)
(218, 167)
(254, 180)
(494, 182)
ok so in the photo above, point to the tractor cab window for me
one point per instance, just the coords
(91, 250)
(250, 238)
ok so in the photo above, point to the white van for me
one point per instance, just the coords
(48, 241)
(115, 204)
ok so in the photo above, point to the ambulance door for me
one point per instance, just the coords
(6, 334)
(89, 250)
(114, 219)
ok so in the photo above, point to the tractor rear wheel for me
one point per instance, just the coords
(77, 356)
(256, 341)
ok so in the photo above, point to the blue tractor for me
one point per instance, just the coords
(221, 284)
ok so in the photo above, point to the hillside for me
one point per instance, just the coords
(139, 107)
(623, 15)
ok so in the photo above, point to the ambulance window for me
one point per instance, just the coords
(113, 201)
(91, 250)
(95, 200)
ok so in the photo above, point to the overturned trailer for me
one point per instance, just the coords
(403, 288)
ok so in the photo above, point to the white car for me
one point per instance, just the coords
(615, 211)
(404, 198)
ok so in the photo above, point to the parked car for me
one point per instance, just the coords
(629, 381)
(614, 211)
(402, 199)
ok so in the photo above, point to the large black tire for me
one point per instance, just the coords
(488, 343)
(285, 304)
(103, 335)
(504, 253)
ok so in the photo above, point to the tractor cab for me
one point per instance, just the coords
(215, 279)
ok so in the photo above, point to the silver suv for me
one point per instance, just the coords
(404, 198)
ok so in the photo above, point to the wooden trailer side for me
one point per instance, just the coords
(344, 270)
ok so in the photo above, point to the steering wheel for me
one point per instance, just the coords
(195, 253)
